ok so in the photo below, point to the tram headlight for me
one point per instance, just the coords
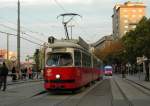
(57, 76)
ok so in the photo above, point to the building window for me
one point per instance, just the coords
(140, 10)
(126, 16)
(134, 26)
(86, 60)
(125, 10)
(125, 21)
(134, 11)
(126, 27)
(77, 58)
(133, 16)
(140, 16)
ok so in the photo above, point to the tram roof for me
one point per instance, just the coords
(73, 43)
(64, 43)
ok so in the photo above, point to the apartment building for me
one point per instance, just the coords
(126, 16)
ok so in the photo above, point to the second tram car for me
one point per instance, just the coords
(69, 65)
(108, 70)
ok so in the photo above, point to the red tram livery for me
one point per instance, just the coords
(69, 65)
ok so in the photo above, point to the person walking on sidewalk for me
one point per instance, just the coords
(3, 76)
(14, 74)
(123, 70)
(30, 73)
(147, 70)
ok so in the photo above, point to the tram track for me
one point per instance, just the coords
(139, 87)
(139, 84)
(126, 99)
(76, 98)
(69, 98)
(100, 94)
(64, 99)
(132, 93)
(44, 98)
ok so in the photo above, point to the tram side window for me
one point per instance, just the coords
(83, 60)
(86, 60)
(89, 61)
(77, 57)
(96, 63)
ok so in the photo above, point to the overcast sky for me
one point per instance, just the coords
(40, 16)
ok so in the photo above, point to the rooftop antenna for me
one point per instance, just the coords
(65, 22)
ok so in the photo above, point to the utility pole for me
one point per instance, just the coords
(7, 46)
(18, 37)
(37, 52)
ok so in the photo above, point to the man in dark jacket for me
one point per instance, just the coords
(3, 76)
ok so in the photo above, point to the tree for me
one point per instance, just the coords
(137, 42)
(111, 53)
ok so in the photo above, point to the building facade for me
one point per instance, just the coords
(126, 16)
(103, 42)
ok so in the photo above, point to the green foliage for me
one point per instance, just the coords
(137, 42)
(39, 58)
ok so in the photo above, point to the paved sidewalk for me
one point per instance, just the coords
(139, 79)
(136, 77)
(10, 82)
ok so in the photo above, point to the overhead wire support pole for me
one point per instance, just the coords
(7, 46)
(18, 37)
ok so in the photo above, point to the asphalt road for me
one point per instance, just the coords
(96, 95)
(108, 92)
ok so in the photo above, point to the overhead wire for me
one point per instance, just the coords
(21, 37)
(60, 5)
(21, 32)
(62, 8)
(23, 27)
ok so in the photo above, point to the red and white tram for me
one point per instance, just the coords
(69, 65)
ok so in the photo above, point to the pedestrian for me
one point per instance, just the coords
(3, 76)
(14, 74)
(147, 70)
(22, 74)
(123, 70)
(30, 73)
(25, 72)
